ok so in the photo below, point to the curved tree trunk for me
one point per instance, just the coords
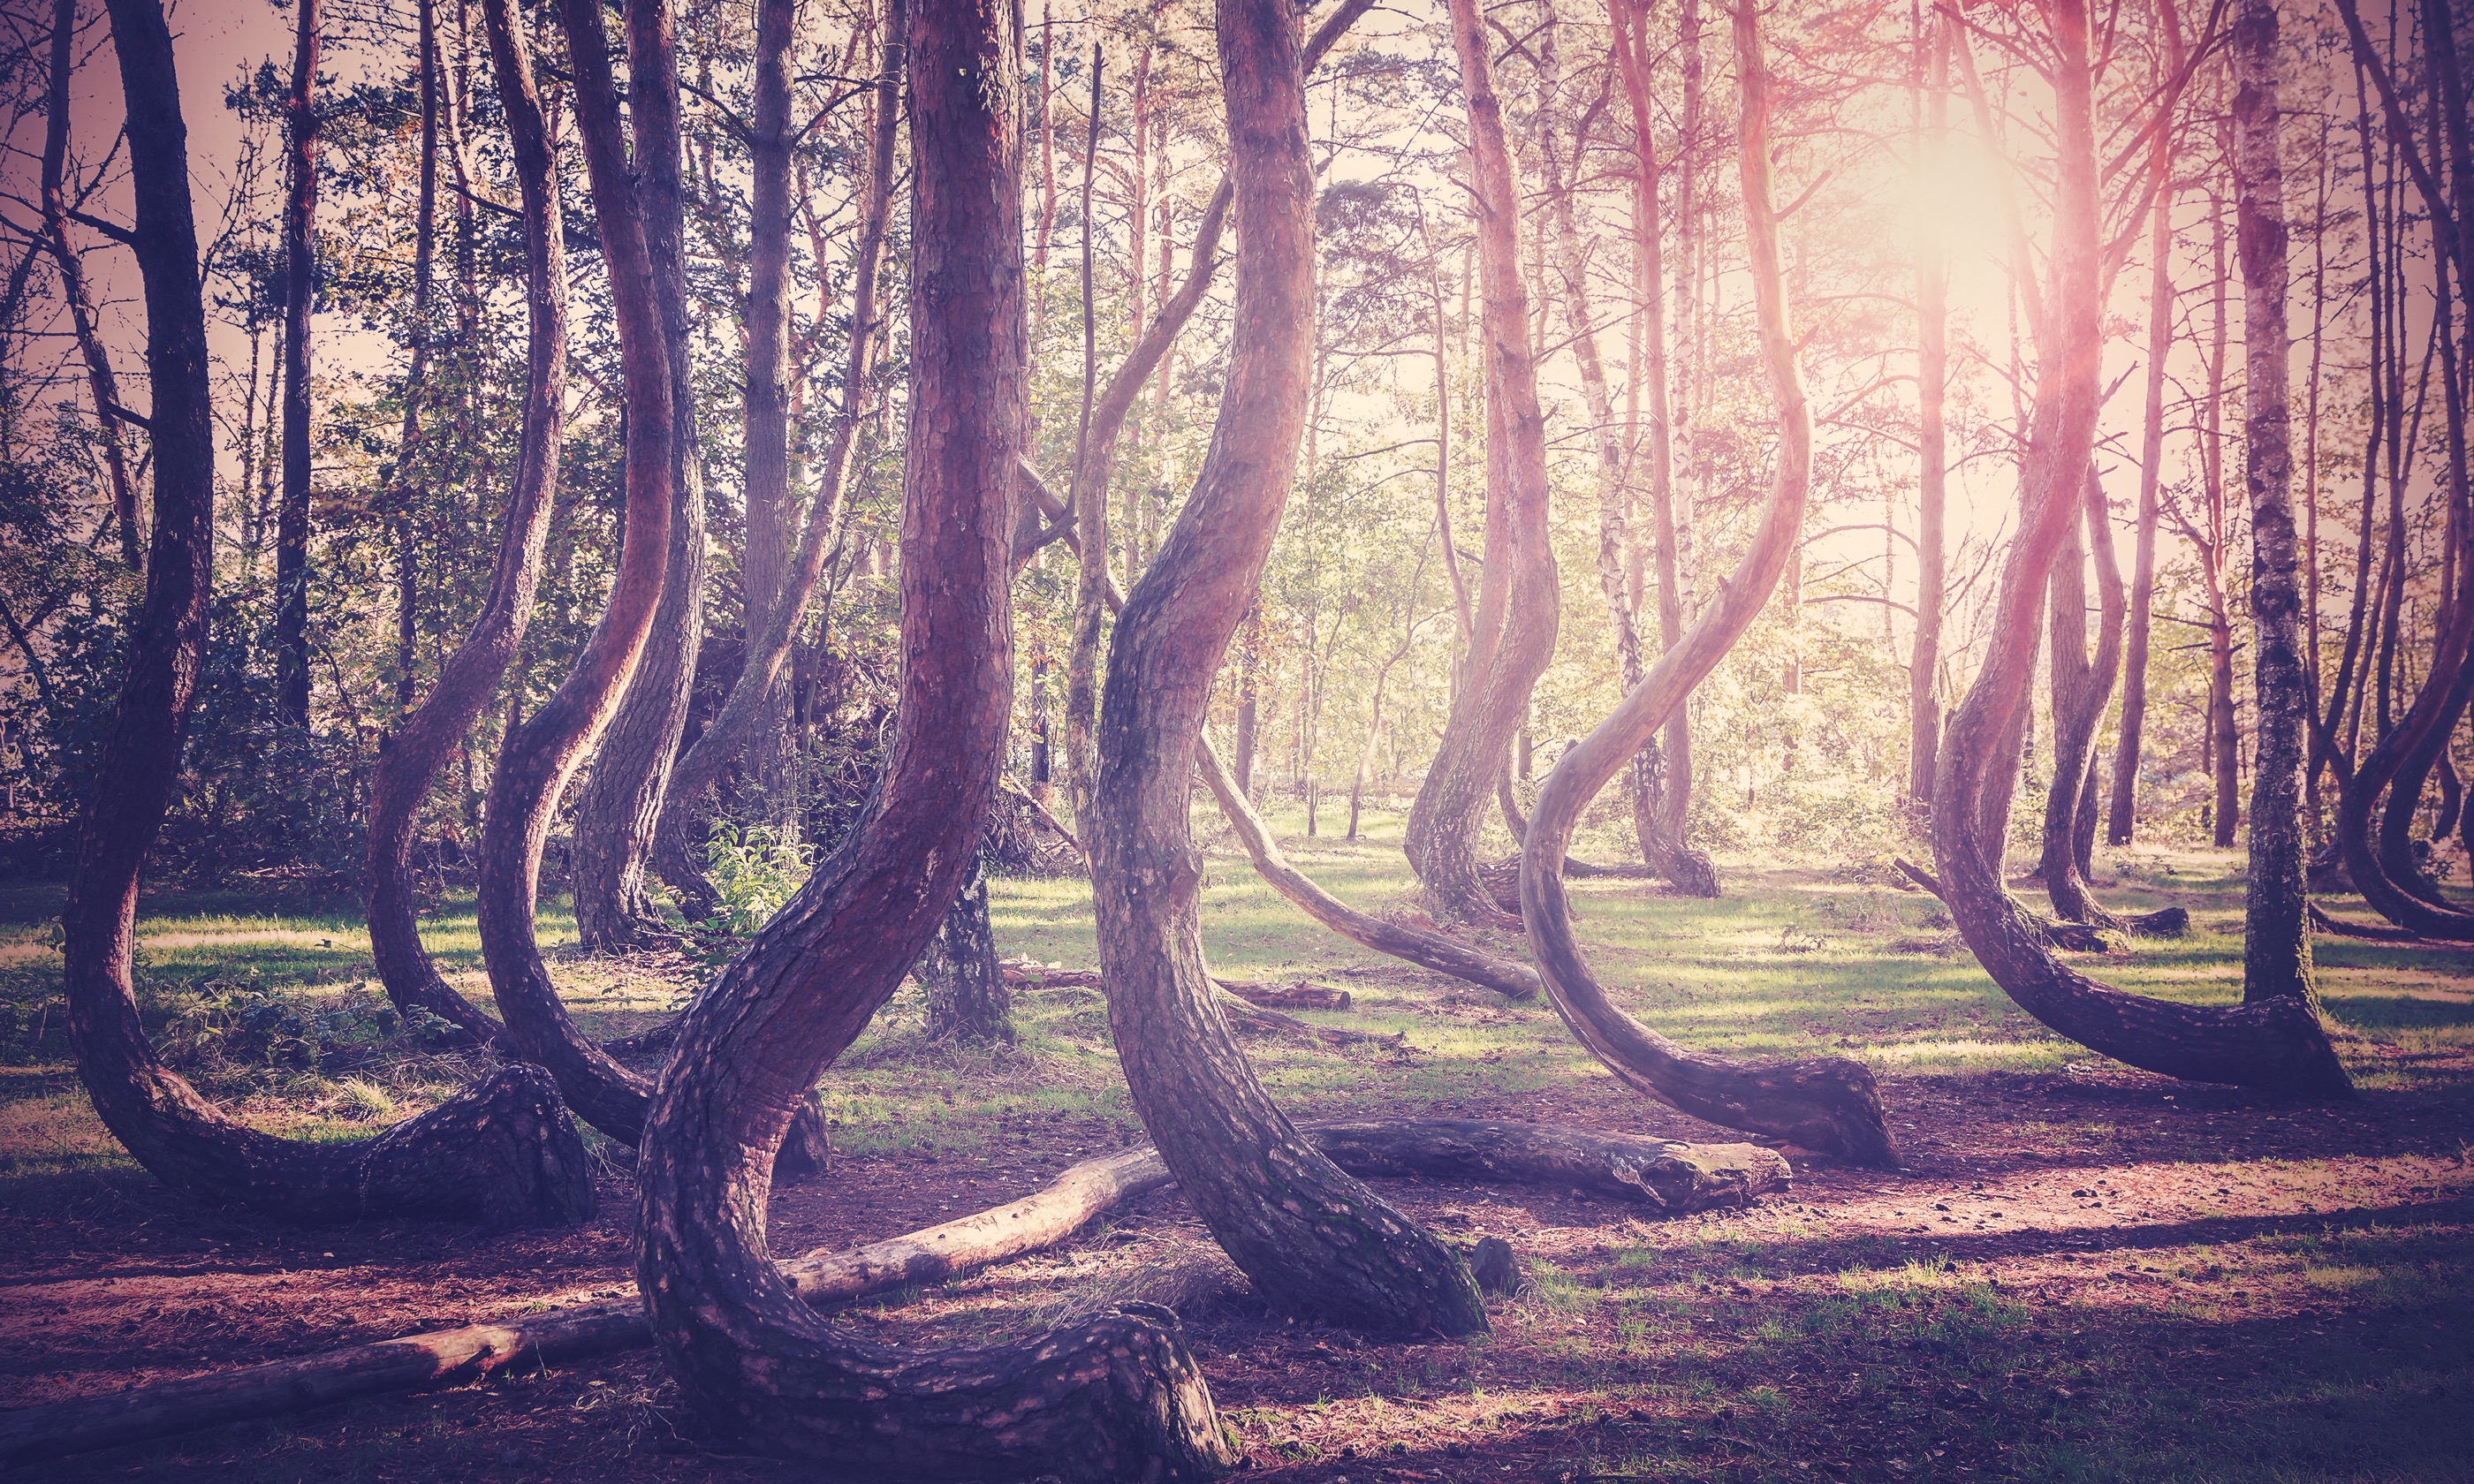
(1115, 1398)
(541, 754)
(2277, 1043)
(1830, 1105)
(2082, 687)
(1312, 1240)
(2395, 840)
(752, 703)
(1507, 978)
(503, 1151)
(1516, 621)
(1664, 1178)
(620, 803)
(410, 761)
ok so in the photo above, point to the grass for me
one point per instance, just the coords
(2290, 1304)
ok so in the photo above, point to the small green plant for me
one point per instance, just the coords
(756, 869)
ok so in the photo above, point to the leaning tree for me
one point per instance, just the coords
(502, 1151)
(1829, 1104)
(409, 760)
(1117, 1396)
(2274, 1041)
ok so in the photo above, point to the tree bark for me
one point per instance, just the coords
(1830, 1105)
(1119, 1395)
(503, 1151)
(101, 385)
(540, 754)
(2082, 688)
(409, 762)
(1932, 435)
(300, 293)
(2277, 1043)
(750, 710)
(1517, 602)
(620, 803)
(1444, 955)
(2121, 814)
(766, 401)
(1668, 1179)
(1312, 1240)
(967, 999)
(2276, 941)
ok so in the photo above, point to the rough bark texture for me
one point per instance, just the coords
(542, 754)
(967, 999)
(2276, 936)
(1115, 1398)
(1312, 1240)
(1668, 1179)
(1444, 955)
(1516, 611)
(2277, 1044)
(299, 295)
(750, 710)
(2082, 687)
(101, 385)
(410, 760)
(503, 1151)
(1830, 1105)
(620, 802)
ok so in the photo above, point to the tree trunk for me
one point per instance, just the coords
(1829, 1105)
(751, 710)
(540, 754)
(1090, 516)
(2276, 942)
(2121, 814)
(967, 999)
(1516, 631)
(409, 762)
(1312, 1240)
(620, 803)
(1666, 1179)
(1933, 378)
(101, 384)
(1444, 955)
(503, 1151)
(2082, 688)
(299, 292)
(2277, 1043)
(398, 500)
(766, 400)
(2224, 725)
(1114, 1397)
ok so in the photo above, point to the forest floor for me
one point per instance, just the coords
(2081, 1271)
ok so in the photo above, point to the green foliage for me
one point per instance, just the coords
(757, 869)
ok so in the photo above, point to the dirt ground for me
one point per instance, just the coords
(2084, 1274)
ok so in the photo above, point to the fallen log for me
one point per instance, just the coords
(1298, 994)
(1668, 1178)
(2322, 922)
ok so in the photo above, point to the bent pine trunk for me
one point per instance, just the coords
(1829, 1105)
(503, 1151)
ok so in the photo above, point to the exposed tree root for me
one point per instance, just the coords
(2076, 936)
(2322, 920)
(1668, 1178)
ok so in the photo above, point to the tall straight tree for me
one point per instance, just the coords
(1516, 611)
(2121, 809)
(1932, 422)
(300, 293)
(1117, 1396)
(2276, 941)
